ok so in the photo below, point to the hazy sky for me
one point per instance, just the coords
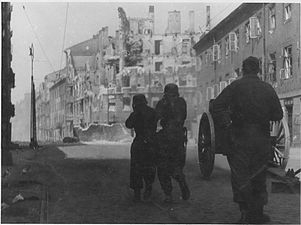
(43, 23)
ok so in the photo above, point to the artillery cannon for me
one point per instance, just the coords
(213, 141)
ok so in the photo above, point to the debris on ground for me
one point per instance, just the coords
(4, 206)
(19, 197)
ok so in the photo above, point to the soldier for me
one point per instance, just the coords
(142, 167)
(247, 106)
(171, 111)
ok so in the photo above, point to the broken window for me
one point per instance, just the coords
(287, 70)
(227, 46)
(272, 18)
(157, 47)
(185, 46)
(272, 67)
(158, 66)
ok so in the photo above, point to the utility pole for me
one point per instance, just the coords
(33, 135)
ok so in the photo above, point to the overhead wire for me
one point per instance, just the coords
(37, 38)
(64, 37)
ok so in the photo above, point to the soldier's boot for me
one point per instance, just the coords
(185, 190)
(243, 213)
(256, 216)
(137, 195)
(147, 192)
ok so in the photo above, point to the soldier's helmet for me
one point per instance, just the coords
(139, 99)
(171, 89)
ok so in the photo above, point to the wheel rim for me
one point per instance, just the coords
(280, 143)
(206, 145)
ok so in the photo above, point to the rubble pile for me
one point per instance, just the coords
(103, 132)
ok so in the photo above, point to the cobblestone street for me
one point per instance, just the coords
(97, 191)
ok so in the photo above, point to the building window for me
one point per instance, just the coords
(287, 12)
(157, 47)
(287, 70)
(199, 62)
(237, 38)
(227, 46)
(206, 58)
(185, 46)
(272, 67)
(272, 18)
(247, 32)
(209, 56)
(158, 66)
(216, 50)
(260, 66)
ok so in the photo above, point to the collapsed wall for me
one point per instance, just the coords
(98, 132)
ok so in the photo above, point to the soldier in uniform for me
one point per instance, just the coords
(142, 167)
(247, 106)
(171, 111)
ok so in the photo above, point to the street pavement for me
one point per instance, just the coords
(211, 201)
(90, 184)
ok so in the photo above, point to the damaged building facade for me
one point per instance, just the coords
(104, 72)
(269, 31)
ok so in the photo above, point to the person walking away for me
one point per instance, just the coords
(247, 106)
(172, 111)
(142, 166)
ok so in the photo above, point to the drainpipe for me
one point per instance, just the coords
(264, 44)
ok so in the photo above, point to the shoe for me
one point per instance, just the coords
(185, 191)
(137, 195)
(265, 218)
(168, 199)
(259, 219)
(243, 218)
(147, 193)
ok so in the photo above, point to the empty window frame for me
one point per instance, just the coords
(158, 66)
(227, 45)
(272, 67)
(157, 47)
(287, 62)
(272, 17)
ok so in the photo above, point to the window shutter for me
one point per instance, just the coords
(254, 27)
(216, 90)
(215, 52)
(232, 41)
(210, 93)
(222, 86)
(282, 73)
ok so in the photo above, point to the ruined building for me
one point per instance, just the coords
(104, 72)
(7, 83)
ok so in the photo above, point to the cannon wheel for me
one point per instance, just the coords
(206, 145)
(281, 143)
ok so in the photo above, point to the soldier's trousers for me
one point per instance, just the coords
(171, 166)
(248, 162)
(142, 166)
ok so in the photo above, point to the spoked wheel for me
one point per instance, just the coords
(280, 143)
(206, 145)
